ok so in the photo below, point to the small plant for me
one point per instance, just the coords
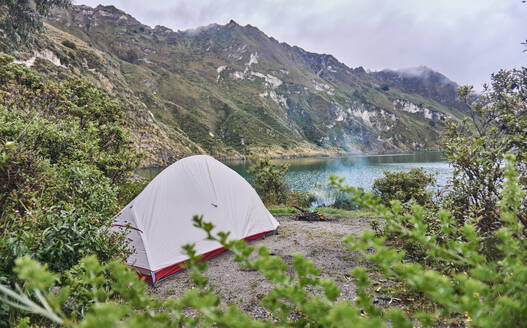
(129, 190)
(69, 44)
(375, 226)
(302, 199)
(269, 181)
(404, 186)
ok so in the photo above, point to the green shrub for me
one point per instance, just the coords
(69, 44)
(129, 190)
(496, 125)
(404, 186)
(64, 151)
(301, 199)
(463, 283)
(325, 195)
(21, 20)
(344, 201)
(484, 293)
(269, 181)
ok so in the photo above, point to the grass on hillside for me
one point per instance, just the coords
(326, 211)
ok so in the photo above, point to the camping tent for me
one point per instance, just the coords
(159, 220)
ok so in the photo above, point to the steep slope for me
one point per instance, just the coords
(232, 91)
(424, 81)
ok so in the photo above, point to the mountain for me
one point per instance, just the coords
(424, 81)
(232, 91)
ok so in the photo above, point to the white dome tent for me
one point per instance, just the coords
(159, 219)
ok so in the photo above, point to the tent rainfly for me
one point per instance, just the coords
(158, 221)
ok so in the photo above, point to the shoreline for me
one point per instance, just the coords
(237, 159)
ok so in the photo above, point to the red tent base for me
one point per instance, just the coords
(156, 276)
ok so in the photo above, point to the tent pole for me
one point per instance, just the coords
(153, 277)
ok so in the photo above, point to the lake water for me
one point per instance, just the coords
(358, 170)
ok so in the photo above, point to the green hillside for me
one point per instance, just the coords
(232, 91)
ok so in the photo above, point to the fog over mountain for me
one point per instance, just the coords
(466, 40)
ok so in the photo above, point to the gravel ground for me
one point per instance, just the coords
(319, 241)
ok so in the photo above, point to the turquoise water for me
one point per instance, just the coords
(358, 171)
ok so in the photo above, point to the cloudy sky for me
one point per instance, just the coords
(464, 39)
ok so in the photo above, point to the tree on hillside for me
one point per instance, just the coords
(20, 19)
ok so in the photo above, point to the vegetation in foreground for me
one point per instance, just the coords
(64, 157)
(497, 125)
(481, 292)
(64, 153)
